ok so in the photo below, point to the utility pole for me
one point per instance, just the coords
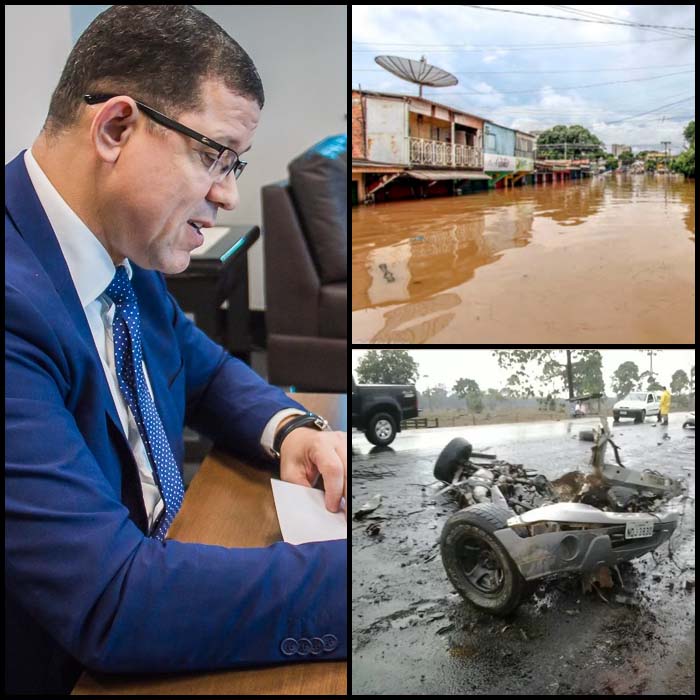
(666, 144)
(651, 354)
(569, 374)
(429, 392)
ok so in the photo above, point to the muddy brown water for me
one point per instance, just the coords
(606, 259)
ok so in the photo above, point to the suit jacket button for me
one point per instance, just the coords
(316, 645)
(305, 647)
(330, 642)
(289, 646)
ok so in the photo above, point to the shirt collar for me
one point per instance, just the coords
(88, 261)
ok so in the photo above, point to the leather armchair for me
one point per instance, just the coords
(305, 245)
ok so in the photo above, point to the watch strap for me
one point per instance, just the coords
(310, 420)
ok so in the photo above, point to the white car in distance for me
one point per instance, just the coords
(638, 405)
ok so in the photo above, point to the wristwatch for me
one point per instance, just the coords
(309, 420)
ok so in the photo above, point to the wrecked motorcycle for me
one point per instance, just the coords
(518, 527)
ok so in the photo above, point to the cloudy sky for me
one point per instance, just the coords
(446, 366)
(518, 74)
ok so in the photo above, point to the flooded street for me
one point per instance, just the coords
(607, 260)
(413, 634)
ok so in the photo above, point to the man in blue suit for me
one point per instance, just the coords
(139, 151)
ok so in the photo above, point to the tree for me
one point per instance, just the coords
(625, 379)
(436, 395)
(689, 133)
(579, 143)
(469, 390)
(588, 373)
(518, 386)
(493, 397)
(626, 158)
(685, 162)
(547, 403)
(387, 367)
(652, 383)
(611, 162)
(575, 371)
(679, 381)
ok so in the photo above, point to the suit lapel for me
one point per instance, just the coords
(25, 210)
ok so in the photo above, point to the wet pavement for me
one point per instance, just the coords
(604, 260)
(412, 634)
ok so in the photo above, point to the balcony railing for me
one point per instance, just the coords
(439, 153)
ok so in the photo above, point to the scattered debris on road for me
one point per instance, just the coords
(368, 507)
(517, 526)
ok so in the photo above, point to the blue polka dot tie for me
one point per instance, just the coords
(132, 382)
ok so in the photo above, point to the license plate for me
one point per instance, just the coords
(623, 413)
(640, 528)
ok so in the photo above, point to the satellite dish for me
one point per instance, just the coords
(419, 72)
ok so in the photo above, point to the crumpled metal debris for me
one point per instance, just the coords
(368, 507)
(522, 489)
(373, 529)
(627, 599)
(606, 487)
(618, 489)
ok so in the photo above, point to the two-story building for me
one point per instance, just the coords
(406, 146)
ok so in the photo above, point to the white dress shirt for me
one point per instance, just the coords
(92, 270)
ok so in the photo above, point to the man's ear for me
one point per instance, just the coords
(112, 126)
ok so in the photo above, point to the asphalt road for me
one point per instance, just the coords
(412, 634)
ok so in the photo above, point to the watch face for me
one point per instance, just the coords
(322, 422)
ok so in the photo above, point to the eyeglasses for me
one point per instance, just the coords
(218, 166)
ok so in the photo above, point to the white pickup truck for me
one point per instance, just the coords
(637, 405)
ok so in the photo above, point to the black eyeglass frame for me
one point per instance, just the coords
(238, 165)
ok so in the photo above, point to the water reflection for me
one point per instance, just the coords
(419, 259)
(421, 321)
(575, 202)
(687, 197)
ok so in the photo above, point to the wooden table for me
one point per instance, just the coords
(222, 486)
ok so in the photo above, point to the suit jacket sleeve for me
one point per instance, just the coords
(225, 399)
(78, 565)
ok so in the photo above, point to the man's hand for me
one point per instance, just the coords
(307, 452)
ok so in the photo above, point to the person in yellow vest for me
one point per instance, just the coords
(664, 406)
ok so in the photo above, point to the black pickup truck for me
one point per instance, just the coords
(378, 409)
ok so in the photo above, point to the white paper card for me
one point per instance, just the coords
(303, 517)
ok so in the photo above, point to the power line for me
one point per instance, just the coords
(504, 111)
(485, 48)
(571, 87)
(579, 19)
(536, 111)
(538, 72)
(588, 110)
(652, 110)
(629, 23)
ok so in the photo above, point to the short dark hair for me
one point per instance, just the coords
(158, 54)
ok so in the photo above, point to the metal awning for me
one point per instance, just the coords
(359, 168)
(358, 163)
(446, 175)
